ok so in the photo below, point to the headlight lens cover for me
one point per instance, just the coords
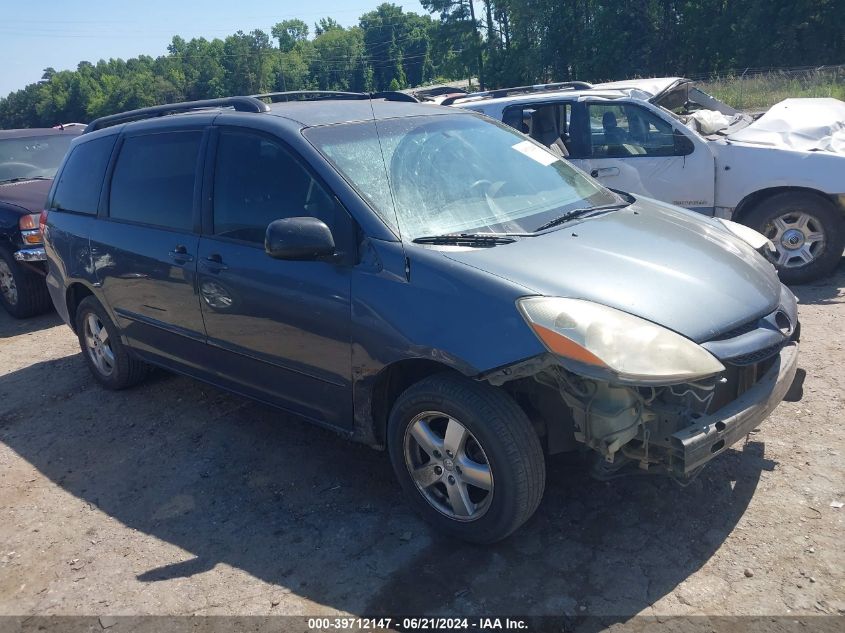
(748, 235)
(610, 343)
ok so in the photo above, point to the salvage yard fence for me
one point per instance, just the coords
(756, 89)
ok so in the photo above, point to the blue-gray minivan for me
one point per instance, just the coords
(420, 279)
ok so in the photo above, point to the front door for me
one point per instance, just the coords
(144, 251)
(629, 147)
(278, 330)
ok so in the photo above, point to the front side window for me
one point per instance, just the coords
(622, 130)
(153, 181)
(32, 157)
(81, 180)
(257, 181)
(431, 175)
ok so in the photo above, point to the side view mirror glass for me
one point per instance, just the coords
(683, 144)
(299, 239)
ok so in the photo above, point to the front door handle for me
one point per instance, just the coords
(601, 172)
(180, 255)
(214, 263)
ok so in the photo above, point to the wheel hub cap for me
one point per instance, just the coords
(798, 237)
(448, 466)
(793, 239)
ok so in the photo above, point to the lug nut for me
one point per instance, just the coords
(437, 454)
(449, 453)
(438, 470)
(451, 480)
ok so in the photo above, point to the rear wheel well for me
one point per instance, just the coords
(73, 297)
(392, 381)
(752, 200)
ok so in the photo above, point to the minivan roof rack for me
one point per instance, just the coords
(504, 92)
(317, 95)
(241, 104)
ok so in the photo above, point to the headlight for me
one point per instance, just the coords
(609, 344)
(748, 235)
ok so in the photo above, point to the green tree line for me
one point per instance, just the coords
(498, 42)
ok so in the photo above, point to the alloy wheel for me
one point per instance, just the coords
(798, 237)
(448, 466)
(98, 345)
(7, 284)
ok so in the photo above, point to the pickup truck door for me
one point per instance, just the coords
(634, 148)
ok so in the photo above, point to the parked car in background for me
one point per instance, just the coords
(781, 173)
(418, 278)
(28, 161)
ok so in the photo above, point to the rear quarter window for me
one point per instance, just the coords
(81, 180)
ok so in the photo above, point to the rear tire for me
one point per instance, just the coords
(107, 357)
(492, 480)
(23, 293)
(807, 230)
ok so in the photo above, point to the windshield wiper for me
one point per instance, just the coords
(577, 213)
(21, 178)
(466, 239)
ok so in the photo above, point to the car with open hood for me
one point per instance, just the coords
(781, 172)
(29, 159)
(421, 279)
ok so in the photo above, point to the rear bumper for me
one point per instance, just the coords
(698, 443)
(36, 254)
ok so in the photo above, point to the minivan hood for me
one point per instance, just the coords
(658, 262)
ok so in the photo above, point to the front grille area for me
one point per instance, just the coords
(757, 356)
(738, 331)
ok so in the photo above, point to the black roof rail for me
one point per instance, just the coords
(241, 104)
(317, 95)
(504, 92)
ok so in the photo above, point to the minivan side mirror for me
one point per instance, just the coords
(299, 238)
(683, 144)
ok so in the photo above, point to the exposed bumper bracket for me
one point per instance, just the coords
(698, 443)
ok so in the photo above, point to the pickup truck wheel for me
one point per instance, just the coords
(22, 293)
(467, 457)
(808, 233)
(106, 356)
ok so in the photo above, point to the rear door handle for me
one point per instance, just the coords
(180, 255)
(601, 172)
(214, 263)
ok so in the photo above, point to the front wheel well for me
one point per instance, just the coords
(752, 200)
(392, 381)
(73, 297)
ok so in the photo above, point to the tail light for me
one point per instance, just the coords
(42, 221)
(30, 226)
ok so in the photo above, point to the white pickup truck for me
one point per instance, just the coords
(782, 172)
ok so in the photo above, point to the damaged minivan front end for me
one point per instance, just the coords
(640, 395)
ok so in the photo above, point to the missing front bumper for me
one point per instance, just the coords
(710, 435)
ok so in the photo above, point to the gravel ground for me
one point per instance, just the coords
(177, 498)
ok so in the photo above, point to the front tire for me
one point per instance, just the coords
(106, 356)
(23, 293)
(807, 230)
(467, 457)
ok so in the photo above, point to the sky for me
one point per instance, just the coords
(35, 35)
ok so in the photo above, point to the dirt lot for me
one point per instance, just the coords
(177, 498)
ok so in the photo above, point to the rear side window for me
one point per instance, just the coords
(153, 181)
(81, 179)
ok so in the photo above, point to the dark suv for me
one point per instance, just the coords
(28, 161)
(421, 279)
